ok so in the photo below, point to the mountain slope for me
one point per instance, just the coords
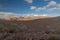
(45, 23)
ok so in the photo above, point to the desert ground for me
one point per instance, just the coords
(34, 29)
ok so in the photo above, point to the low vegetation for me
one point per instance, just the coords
(53, 38)
(39, 29)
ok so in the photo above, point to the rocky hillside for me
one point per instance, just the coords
(44, 23)
(38, 29)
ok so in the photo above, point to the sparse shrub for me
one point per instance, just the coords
(51, 31)
(47, 32)
(21, 30)
(1, 31)
(12, 26)
(42, 39)
(29, 30)
(52, 38)
(10, 31)
(2, 26)
(57, 32)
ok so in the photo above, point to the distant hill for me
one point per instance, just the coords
(43, 23)
(26, 18)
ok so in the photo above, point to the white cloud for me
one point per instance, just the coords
(32, 7)
(51, 6)
(40, 15)
(55, 8)
(11, 15)
(8, 14)
(29, 1)
(33, 14)
(44, 15)
(41, 8)
(51, 3)
(58, 5)
(37, 9)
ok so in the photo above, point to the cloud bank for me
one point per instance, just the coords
(29, 1)
(52, 5)
(10, 15)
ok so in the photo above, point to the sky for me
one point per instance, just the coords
(28, 7)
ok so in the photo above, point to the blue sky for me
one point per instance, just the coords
(46, 7)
